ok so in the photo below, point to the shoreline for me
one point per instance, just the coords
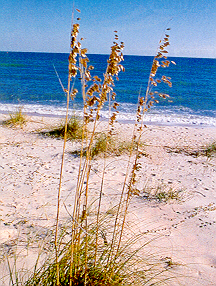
(29, 169)
(121, 121)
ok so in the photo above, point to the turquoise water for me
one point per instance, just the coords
(29, 80)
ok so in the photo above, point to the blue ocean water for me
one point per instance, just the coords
(29, 80)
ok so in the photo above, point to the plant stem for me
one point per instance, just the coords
(60, 183)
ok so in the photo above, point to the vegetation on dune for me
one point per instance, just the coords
(17, 118)
(211, 149)
(100, 265)
(161, 193)
(106, 145)
(74, 129)
(96, 252)
(208, 150)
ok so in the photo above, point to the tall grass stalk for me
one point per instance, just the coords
(144, 103)
(71, 74)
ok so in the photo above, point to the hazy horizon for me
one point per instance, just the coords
(66, 53)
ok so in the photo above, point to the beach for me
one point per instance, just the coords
(174, 161)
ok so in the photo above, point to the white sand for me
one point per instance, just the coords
(29, 176)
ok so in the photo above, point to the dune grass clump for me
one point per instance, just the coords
(17, 118)
(74, 129)
(104, 143)
(170, 195)
(101, 265)
(160, 193)
(99, 252)
(108, 145)
(131, 266)
(101, 272)
(211, 150)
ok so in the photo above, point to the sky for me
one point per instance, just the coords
(44, 25)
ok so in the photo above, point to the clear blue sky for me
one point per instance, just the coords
(44, 25)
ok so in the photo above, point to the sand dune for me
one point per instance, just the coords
(174, 162)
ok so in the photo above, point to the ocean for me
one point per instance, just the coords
(29, 80)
